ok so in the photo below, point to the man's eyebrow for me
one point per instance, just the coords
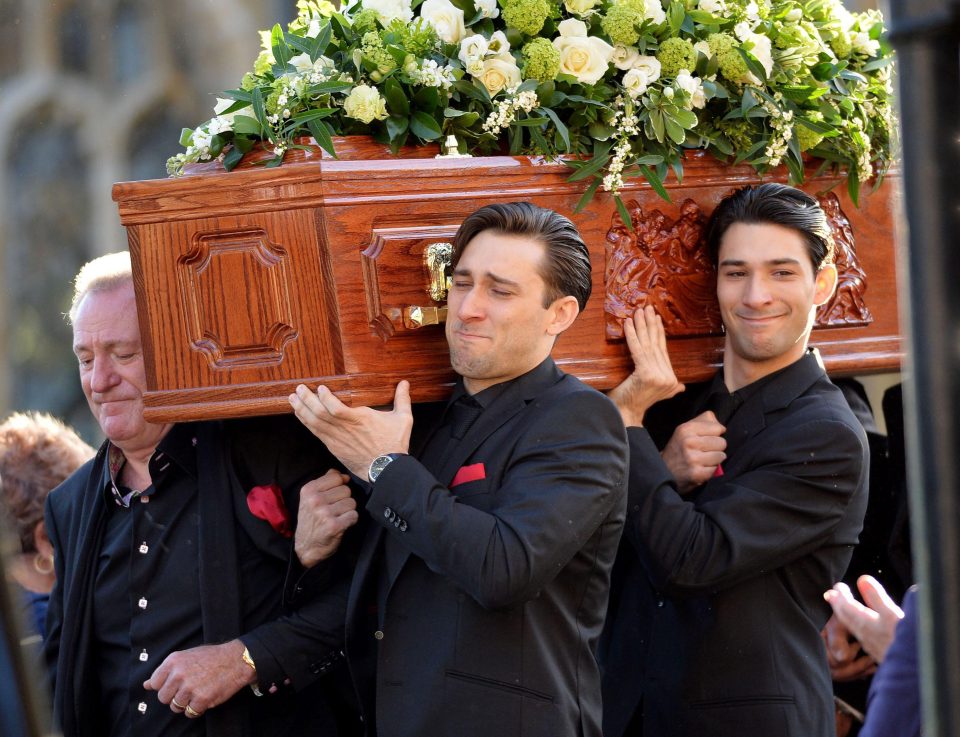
(771, 262)
(488, 275)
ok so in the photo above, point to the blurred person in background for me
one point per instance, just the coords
(37, 452)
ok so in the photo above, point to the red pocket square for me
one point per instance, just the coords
(473, 472)
(718, 471)
(266, 503)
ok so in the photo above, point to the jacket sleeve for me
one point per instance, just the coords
(54, 624)
(560, 480)
(800, 481)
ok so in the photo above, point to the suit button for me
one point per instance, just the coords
(403, 526)
(378, 635)
(387, 512)
(397, 521)
(659, 602)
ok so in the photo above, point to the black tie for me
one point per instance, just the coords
(723, 404)
(463, 413)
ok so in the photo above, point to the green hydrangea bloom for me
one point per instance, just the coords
(541, 60)
(807, 138)
(263, 64)
(723, 46)
(272, 103)
(248, 82)
(738, 131)
(840, 43)
(527, 16)
(376, 54)
(620, 24)
(418, 38)
(365, 21)
(638, 5)
(676, 54)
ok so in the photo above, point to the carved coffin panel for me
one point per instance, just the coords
(664, 262)
(327, 272)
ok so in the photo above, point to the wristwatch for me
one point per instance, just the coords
(379, 463)
(249, 661)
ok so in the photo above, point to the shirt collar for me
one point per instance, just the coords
(175, 451)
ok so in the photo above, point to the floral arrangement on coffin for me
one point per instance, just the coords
(626, 86)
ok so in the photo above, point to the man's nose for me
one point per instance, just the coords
(757, 291)
(102, 376)
(471, 305)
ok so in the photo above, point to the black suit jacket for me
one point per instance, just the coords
(232, 457)
(497, 587)
(717, 606)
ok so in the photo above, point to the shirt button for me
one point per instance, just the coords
(143, 656)
(143, 548)
(142, 707)
(659, 602)
(144, 499)
(378, 635)
(142, 603)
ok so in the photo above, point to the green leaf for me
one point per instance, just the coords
(281, 52)
(853, 187)
(600, 159)
(397, 125)
(655, 181)
(322, 40)
(749, 153)
(588, 195)
(331, 86)
(704, 18)
(241, 95)
(677, 167)
(427, 99)
(186, 136)
(260, 111)
(675, 16)
(649, 160)
(299, 43)
(686, 119)
(816, 126)
(558, 124)
(323, 135)
(424, 126)
(244, 124)
(656, 122)
(853, 76)
(308, 115)
(529, 122)
(753, 64)
(474, 91)
(676, 132)
(624, 215)
(875, 64)
(396, 99)
(232, 158)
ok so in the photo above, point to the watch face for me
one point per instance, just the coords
(379, 463)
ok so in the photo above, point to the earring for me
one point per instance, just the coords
(43, 564)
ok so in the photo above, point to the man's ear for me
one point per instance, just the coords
(826, 284)
(563, 312)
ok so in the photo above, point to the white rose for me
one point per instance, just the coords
(387, 10)
(654, 12)
(714, 7)
(365, 104)
(446, 18)
(635, 82)
(487, 8)
(499, 45)
(704, 48)
(474, 67)
(650, 66)
(581, 56)
(742, 30)
(752, 11)
(693, 86)
(862, 43)
(624, 56)
(472, 47)
(499, 74)
(579, 7)
(302, 63)
(794, 15)
(572, 28)
(762, 50)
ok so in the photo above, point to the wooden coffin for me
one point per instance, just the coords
(251, 282)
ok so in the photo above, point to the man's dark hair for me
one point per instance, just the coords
(566, 263)
(774, 204)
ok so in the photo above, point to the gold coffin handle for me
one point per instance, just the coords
(436, 259)
(417, 317)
